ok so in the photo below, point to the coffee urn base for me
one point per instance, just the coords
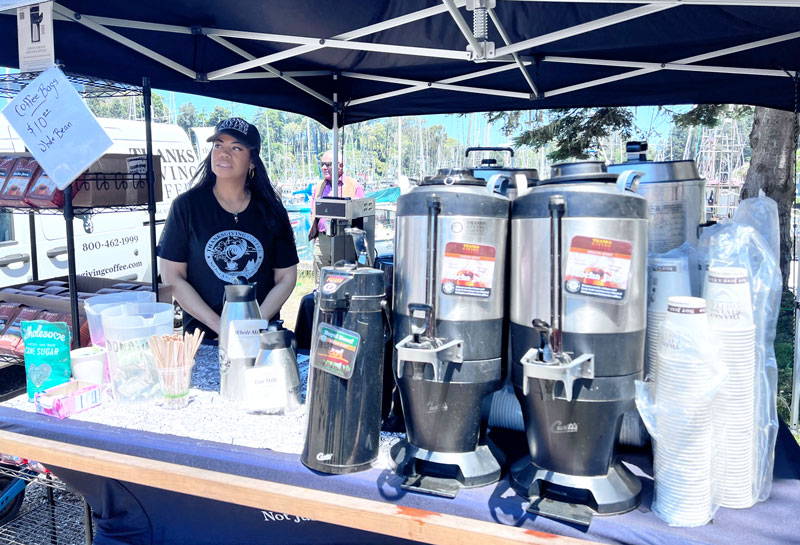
(576, 498)
(445, 473)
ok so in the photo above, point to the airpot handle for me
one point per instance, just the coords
(629, 179)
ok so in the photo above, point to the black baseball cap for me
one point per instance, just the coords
(241, 129)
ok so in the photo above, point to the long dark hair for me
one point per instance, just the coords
(259, 185)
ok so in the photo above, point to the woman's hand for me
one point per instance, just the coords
(285, 281)
(174, 274)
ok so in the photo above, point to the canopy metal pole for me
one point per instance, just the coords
(353, 34)
(272, 71)
(69, 215)
(688, 60)
(127, 42)
(507, 40)
(668, 66)
(795, 408)
(335, 159)
(416, 85)
(333, 226)
(740, 3)
(151, 190)
(794, 411)
(597, 24)
(34, 249)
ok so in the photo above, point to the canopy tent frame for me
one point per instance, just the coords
(476, 49)
(508, 53)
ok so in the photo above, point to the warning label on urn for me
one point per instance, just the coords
(468, 269)
(670, 225)
(336, 350)
(598, 267)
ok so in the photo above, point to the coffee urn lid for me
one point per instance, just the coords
(487, 172)
(454, 176)
(596, 177)
(577, 168)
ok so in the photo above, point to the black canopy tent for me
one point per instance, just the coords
(387, 58)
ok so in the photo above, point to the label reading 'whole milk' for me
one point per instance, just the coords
(598, 267)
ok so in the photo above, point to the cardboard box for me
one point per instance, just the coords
(117, 179)
(70, 398)
(86, 284)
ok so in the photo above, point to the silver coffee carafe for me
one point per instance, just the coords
(274, 380)
(240, 304)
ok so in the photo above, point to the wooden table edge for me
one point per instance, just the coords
(362, 514)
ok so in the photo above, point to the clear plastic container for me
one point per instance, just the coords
(97, 304)
(128, 328)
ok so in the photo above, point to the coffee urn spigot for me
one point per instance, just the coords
(422, 347)
(546, 364)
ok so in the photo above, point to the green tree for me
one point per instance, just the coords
(218, 114)
(189, 117)
(128, 108)
(575, 131)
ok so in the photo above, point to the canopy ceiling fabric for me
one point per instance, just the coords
(689, 42)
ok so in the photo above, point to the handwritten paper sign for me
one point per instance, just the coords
(57, 127)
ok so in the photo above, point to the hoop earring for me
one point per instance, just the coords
(251, 173)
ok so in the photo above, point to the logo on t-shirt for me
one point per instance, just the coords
(234, 253)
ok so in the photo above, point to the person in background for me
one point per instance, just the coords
(231, 224)
(348, 188)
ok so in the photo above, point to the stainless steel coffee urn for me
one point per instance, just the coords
(450, 254)
(346, 373)
(675, 196)
(578, 262)
(240, 304)
(504, 180)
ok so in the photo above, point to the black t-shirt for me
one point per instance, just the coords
(217, 249)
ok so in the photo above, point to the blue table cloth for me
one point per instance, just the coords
(134, 514)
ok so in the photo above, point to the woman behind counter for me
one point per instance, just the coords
(230, 224)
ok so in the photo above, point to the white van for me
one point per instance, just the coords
(112, 245)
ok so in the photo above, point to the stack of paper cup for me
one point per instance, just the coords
(666, 277)
(682, 453)
(730, 315)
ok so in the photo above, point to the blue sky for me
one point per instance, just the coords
(646, 118)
